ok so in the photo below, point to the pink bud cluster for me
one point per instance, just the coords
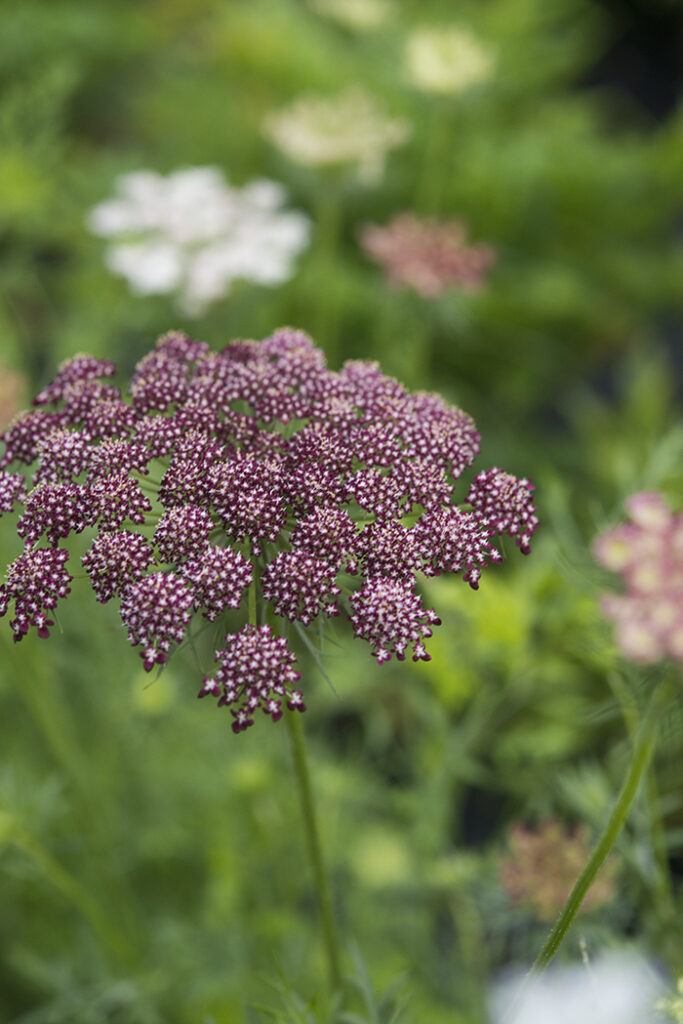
(428, 256)
(253, 467)
(647, 553)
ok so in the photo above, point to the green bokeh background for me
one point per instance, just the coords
(152, 867)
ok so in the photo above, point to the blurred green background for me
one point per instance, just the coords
(151, 863)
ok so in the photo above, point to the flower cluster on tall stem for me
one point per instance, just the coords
(252, 470)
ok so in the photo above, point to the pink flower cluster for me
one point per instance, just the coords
(428, 256)
(647, 553)
(257, 466)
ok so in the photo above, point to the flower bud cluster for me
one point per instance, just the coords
(427, 256)
(256, 670)
(36, 580)
(503, 503)
(156, 611)
(257, 466)
(12, 490)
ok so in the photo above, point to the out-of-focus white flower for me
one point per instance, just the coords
(193, 234)
(616, 989)
(350, 128)
(447, 59)
(357, 15)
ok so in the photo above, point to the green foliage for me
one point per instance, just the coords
(151, 864)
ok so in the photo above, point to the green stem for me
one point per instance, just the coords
(315, 855)
(328, 226)
(434, 160)
(252, 604)
(642, 753)
(329, 930)
(663, 890)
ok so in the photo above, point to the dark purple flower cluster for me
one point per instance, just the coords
(183, 532)
(254, 467)
(218, 579)
(156, 611)
(503, 504)
(116, 560)
(299, 586)
(389, 615)
(12, 490)
(255, 670)
(35, 582)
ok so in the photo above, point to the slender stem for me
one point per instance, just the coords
(252, 603)
(328, 224)
(329, 930)
(643, 747)
(431, 172)
(303, 778)
(662, 883)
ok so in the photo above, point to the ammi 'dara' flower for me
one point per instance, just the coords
(315, 492)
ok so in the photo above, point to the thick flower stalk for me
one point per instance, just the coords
(254, 478)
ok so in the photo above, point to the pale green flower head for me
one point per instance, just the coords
(447, 60)
(357, 15)
(328, 131)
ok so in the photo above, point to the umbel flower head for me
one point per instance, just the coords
(449, 59)
(328, 131)
(647, 553)
(427, 255)
(192, 235)
(253, 471)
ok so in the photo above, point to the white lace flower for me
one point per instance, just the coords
(357, 15)
(350, 128)
(616, 989)
(192, 234)
(447, 60)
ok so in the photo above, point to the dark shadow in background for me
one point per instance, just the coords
(644, 56)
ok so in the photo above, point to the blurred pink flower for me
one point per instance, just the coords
(647, 552)
(543, 866)
(427, 255)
